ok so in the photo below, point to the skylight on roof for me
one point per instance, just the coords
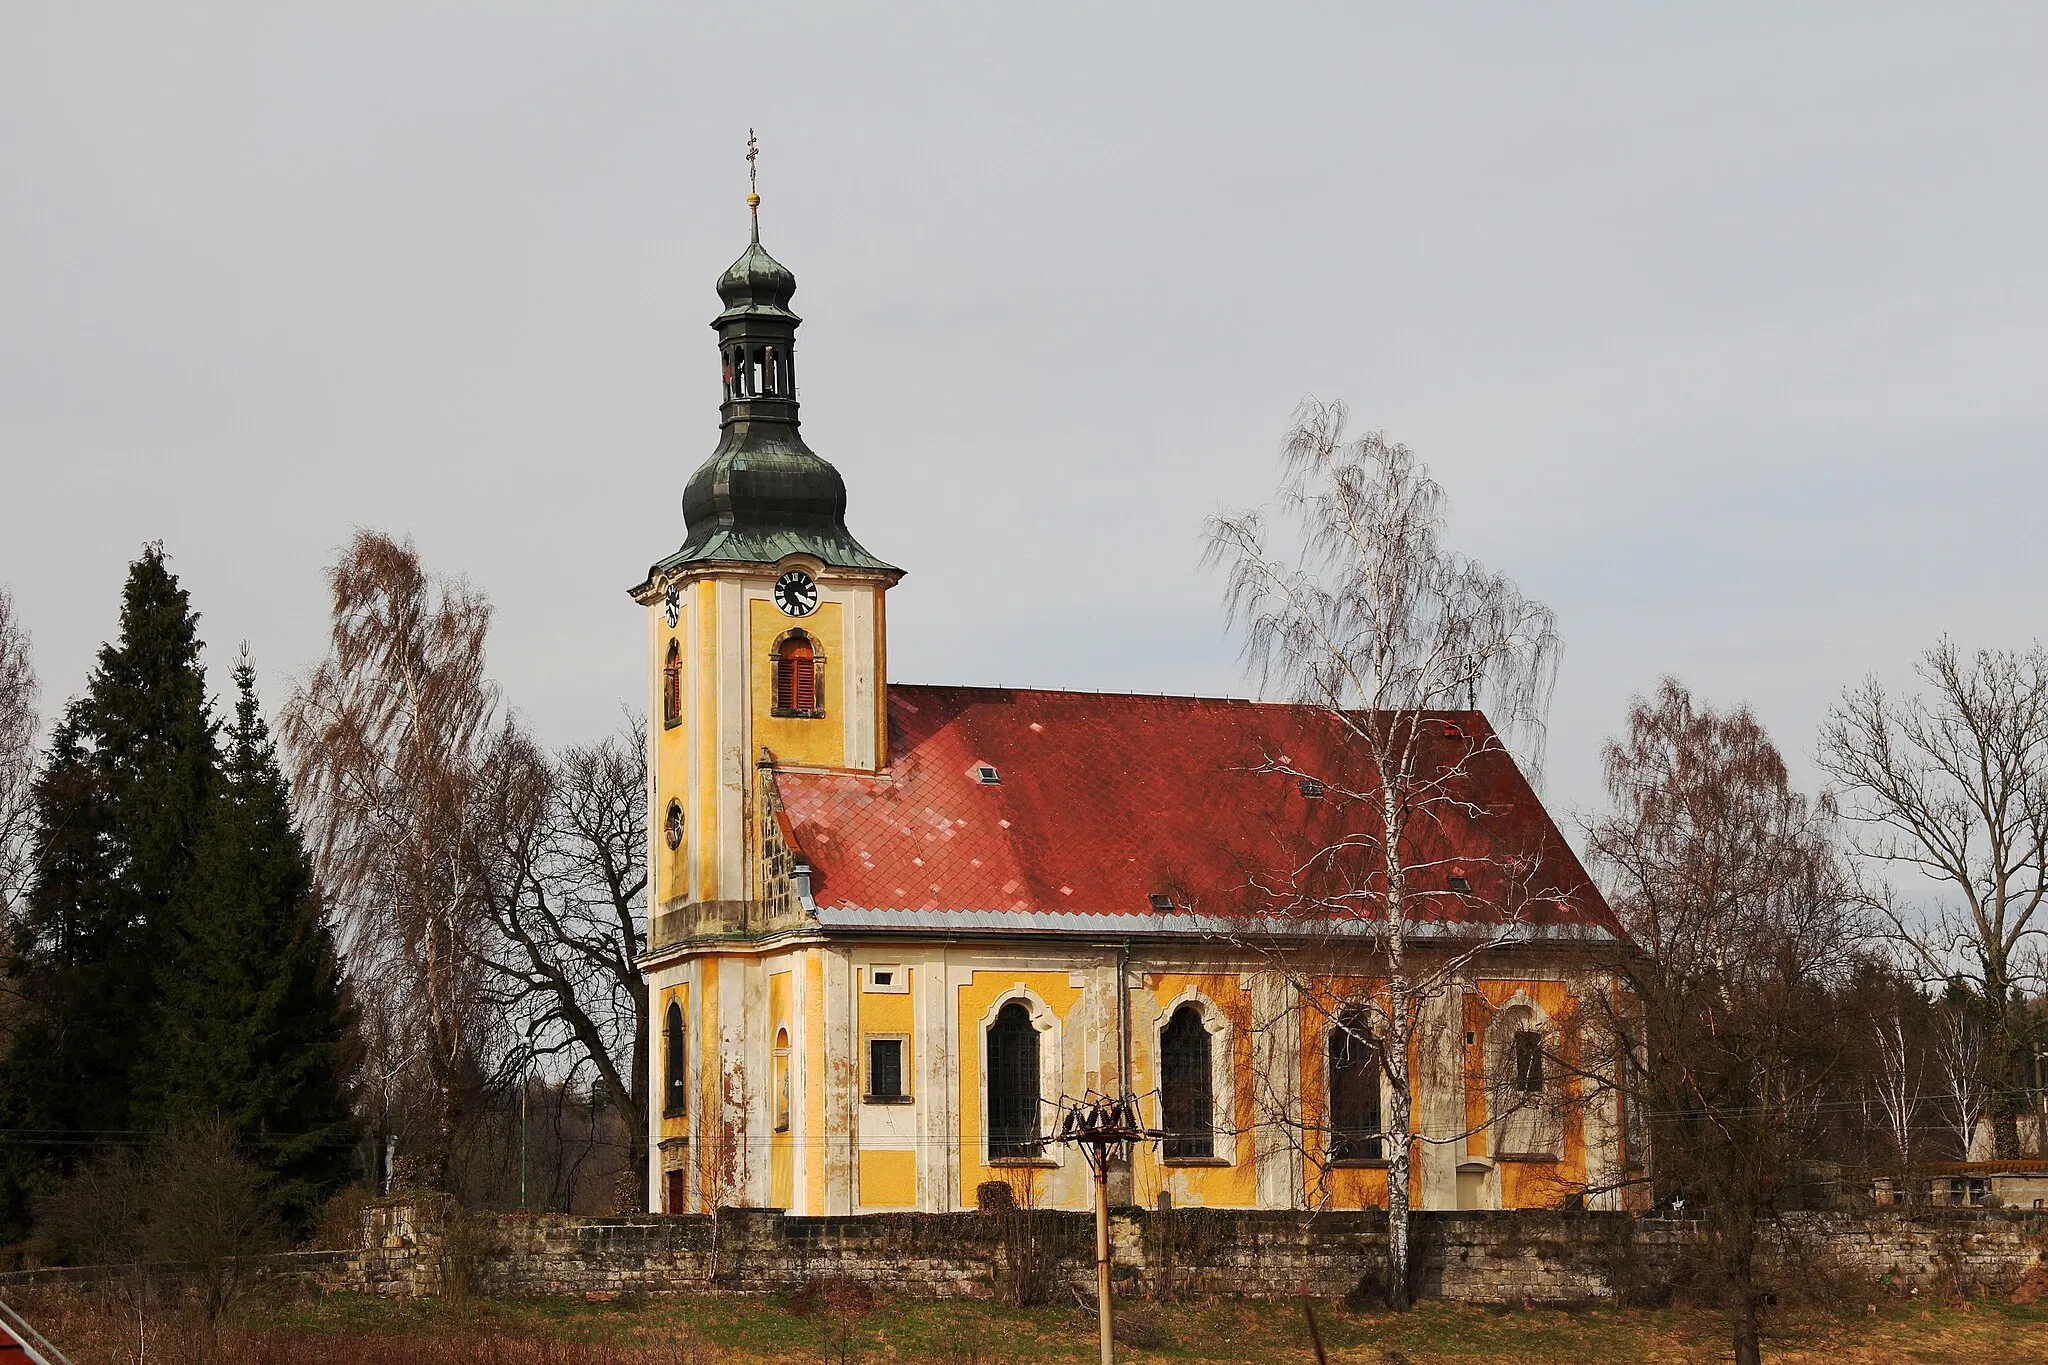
(987, 776)
(1161, 901)
(1312, 788)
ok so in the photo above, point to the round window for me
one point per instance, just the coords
(672, 825)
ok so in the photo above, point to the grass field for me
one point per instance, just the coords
(344, 1330)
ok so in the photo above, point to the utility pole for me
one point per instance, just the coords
(1102, 1126)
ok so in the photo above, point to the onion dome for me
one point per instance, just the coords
(757, 285)
(763, 494)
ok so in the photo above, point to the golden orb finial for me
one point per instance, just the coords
(753, 188)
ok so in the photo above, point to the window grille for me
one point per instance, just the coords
(1354, 1091)
(1013, 1084)
(885, 1069)
(1185, 1098)
(1529, 1062)
(674, 1068)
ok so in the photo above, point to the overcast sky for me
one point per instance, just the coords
(1723, 325)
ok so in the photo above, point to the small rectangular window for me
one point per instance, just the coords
(886, 980)
(885, 1071)
(1161, 901)
(1461, 885)
(1312, 788)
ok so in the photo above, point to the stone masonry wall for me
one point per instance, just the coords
(1520, 1257)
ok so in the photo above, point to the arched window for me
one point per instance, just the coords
(726, 357)
(771, 374)
(672, 686)
(1521, 1086)
(675, 1075)
(799, 677)
(781, 1078)
(1013, 1083)
(1185, 1099)
(1354, 1090)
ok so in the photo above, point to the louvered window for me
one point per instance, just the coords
(798, 680)
(1185, 1098)
(1354, 1091)
(1013, 1084)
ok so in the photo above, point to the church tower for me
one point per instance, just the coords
(766, 628)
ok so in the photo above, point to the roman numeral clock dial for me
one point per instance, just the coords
(796, 592)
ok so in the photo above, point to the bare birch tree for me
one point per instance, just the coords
(1959, 1053)
(1953, 785)
(1729, 884)
(17, 755)
(1896, 1081)
(394, 739)
(1349, 602)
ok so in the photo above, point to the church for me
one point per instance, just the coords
(892, 925)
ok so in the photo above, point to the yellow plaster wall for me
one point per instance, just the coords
(889, 1014)
(677, 1126)
(703, 600)
(819, 743)
(1212, 1186)
(782, 1145)
(671, 763)
(888, 1178)
(974, 998)
(815, 1063)
(1526, 1184)
(710, 1143)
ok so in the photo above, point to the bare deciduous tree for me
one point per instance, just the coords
(568, 920)
(17, 755)
(1959, 1053)
(1350, 603)
(1896, 1081)
(1730, 885)
(1954, 786)
(395, 741)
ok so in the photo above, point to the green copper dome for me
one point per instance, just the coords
(757, 285)
(763, 494)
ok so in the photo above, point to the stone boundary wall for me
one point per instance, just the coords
(424, 1248)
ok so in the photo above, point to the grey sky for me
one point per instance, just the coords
(1724, 326)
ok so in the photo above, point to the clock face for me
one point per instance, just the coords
(672, 606)
(796, 592)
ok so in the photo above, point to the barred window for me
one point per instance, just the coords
(885, 1069)
(1354, 1090)
(1013, 1083)
(1185, 1100)
(674, 1059)
(1529, 1062)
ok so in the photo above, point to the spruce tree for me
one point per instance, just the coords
(118, 809)
(255, 1022)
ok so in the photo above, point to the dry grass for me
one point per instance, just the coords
(348, 1330)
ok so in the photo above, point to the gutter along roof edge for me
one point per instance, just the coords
(1098, 924)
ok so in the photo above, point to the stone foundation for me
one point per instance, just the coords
(1517, 1257)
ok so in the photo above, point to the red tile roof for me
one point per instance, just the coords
(1104, 800)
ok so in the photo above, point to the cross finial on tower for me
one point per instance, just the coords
(753, 187)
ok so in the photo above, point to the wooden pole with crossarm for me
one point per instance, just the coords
(1102, 1126)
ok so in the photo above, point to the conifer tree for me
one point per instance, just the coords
(255, 1020)
(117, 811)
